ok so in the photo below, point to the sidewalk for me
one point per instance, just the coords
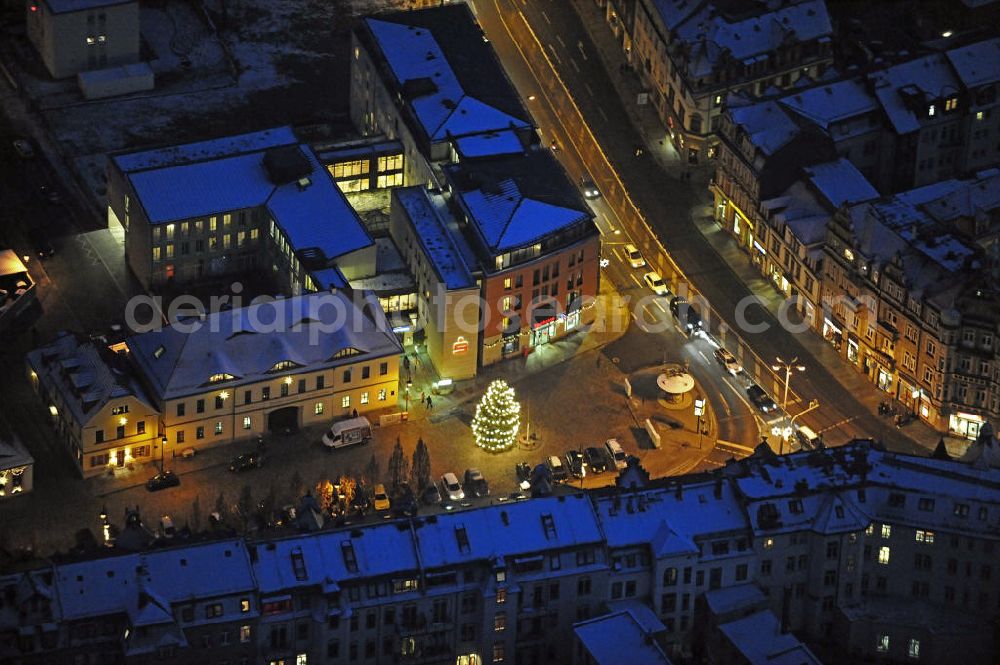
(647, 122)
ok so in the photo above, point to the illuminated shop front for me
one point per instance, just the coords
(833, 333)
(965, 424)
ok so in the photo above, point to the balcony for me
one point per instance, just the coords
(888, 330)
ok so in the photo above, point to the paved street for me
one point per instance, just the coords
(676, 210)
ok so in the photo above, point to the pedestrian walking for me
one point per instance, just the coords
(406, 362)
(423, 397)
(430, 404)
(354, 413)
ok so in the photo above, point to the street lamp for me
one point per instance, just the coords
(787, 367)
(163, 446)
(699, 410)
(406, 395)
(916, 394)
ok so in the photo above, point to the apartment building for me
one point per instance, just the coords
(426, 78)
(864, 554)
(693, 55)
(17, 466)
(258, 202)
(230, 375)
(74, 36)
(98, 409)
(917, 301)
(271, 366)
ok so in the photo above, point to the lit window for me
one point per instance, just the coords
(883, 555)
(247, 422)
(768, 543)
(499, 622)
(364, 397)
(501, 596)
(345, 401)
(951, 104)
(870, 530)
(848, 254)
(244, 605)
(381, 395)
(218, 427)
(506, 281)
(244, 634)
(930, 112)
(318, 408)
(925, 537)
(101, 39)
(913, 649)
(882, 645)
(156, 254)
(886, 530)
(979, 115)
(90, 41)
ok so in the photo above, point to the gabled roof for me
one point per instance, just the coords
(761, 641)
(840, 182)
(905, 90)
(507, 219)
(767, 124)
(247, 343)
(426, 212)
(977, 64)
(833, 102)
(619, 637)
(446, 73)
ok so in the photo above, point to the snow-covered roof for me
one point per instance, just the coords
(508, 530)
(421, 63)
(831, 103)
(977, 64)
(748, 40)
(66, 6)
(201, 179)
(840, 182)
(328, 278)
(516, 200)
(730, 598)
(767, 124)
(13, 454)
(113, 585)
(506, 142)
(905, 90)
(761, 641)
(424, 210)
(82, 375)
(618, 637)
(247, 343)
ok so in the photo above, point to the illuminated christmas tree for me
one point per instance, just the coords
(498, 417)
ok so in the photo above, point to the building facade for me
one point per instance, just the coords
(863, 554)
(74, 37)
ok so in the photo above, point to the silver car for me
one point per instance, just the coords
(452, 488)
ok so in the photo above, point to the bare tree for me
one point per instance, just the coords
(244, 507)
(348, 488)
(296, 485)
(399, 466)
(267, 506)
(222, 507)
(325, 495)
(420, 470)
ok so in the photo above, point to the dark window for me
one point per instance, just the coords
(265, 392)
(366, 372)
(99, 436)
(180, 409)
(120, 433)
(284, 389)
(247, 396)
(219, 402)
(199, 406)
(302, 385)
(199, 433)
(320, 381)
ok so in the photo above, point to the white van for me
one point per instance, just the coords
(348, 432)
(634, 257)
(616, 453)
(808, 439)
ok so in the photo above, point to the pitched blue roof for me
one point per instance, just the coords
(205, 150)
(841, 182)
(413, 53)
(507, 219)
(495, 143)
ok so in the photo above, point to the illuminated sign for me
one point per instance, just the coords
(459, 346)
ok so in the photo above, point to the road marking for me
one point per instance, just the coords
(702, 354)
(634, 279)
(737, 446)
(659, 306)
(544, 16)
(560, 40)
(579, 45)
(836, 425)
(554, 54)
(589, 89)
(575, 66)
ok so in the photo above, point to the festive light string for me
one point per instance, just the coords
(498, 418)
(525, 333)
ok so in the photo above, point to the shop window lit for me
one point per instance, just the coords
(883, 555)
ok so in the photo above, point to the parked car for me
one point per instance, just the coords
(452, 489)
(760, 399)
(616, 453)
(588, 188)
(559, 471)
(40, 243)
(634, 257)
(575, 462)
(167, 527)
(348, 432)
(431, 495)
(728, 360)
(246, 462)
(655, 282)
(523, 472)
(475, 484)
(162, 481)
(24, 148)
(381, 498)
(597, 459)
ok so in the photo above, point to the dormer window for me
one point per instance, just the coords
(283, 365)
(951, 104)
(219, 378)
(931, 110)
